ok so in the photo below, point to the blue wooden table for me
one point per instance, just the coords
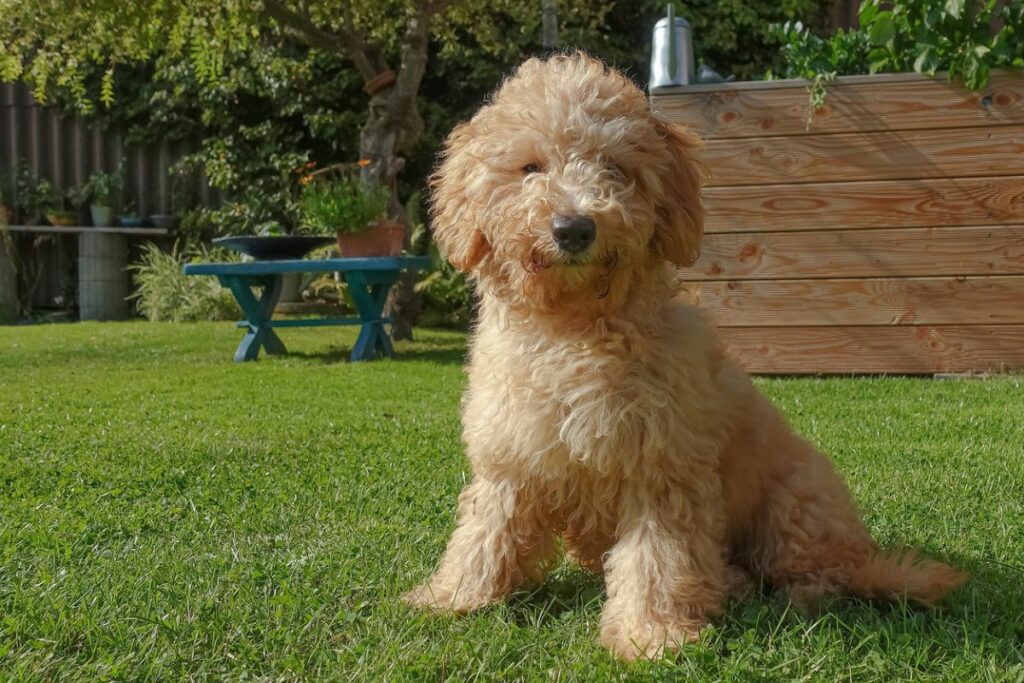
(368, 279)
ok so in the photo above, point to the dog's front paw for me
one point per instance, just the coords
(440, 599)
(648, 639)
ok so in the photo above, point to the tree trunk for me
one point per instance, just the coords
(393, 123)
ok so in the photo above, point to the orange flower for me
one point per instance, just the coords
(305, 180)
(363, 163)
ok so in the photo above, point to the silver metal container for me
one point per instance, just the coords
(671, 52)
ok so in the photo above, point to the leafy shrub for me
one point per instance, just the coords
(447, 299)
(925, 36)
(105, 188)
(164, 293)
(343, 203)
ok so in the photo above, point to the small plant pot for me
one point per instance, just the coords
(165, 221)
(62, 218)
(130, 221)
(383, 239)
(102, 216)
(379, 82)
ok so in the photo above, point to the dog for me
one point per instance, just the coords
(602, 415)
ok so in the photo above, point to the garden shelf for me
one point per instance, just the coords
(102, 264)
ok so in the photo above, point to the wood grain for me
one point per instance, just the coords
(967, 152)
(728, 111)
(882, 204)
(918, 349)
(874, 301)
(992, 250)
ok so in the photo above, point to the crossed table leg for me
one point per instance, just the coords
(258, 313)
(369, 290)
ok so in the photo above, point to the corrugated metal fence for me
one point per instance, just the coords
(65, 150)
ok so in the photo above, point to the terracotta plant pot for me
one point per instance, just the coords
(62, 218)
(383, 239)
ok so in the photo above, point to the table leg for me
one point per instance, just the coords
(258, 313)
(373, 340)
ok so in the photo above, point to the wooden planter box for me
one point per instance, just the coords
(887, 237)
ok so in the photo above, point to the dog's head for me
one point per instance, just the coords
(564, 185)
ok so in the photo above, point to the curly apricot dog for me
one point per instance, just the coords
(601, 407)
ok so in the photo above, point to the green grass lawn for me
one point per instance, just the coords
(168, 514)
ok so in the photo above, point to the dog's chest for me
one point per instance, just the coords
(564, 404)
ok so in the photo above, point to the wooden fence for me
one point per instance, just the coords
(886, 236)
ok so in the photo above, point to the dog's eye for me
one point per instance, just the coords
(531, 168)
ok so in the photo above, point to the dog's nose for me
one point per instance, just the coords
(573, 233)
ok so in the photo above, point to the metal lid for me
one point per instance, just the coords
(663, 23)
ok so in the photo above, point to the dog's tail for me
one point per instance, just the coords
(896, 575)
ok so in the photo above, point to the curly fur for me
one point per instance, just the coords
(601, 408)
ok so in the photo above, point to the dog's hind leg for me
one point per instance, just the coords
(500, 542)
(810, 540)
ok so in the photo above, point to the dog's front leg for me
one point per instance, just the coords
(499, 543)
(665, 575)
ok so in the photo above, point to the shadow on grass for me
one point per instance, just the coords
(441, 355)
(989, 607)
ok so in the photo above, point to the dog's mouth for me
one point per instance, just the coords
(537, 262)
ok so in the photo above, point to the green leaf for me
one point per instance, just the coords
(883, 30)
(955, 8)
(927, 62)
(107, 87)
(867, 13)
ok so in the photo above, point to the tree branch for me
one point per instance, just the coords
(300, 26)
(414, 51)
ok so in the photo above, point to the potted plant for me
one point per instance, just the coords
(104, 189)
(182, 197)
(78, 198)
(58, 215)
(353, 210)
(34, 196)
(57, 212)
(129, 218)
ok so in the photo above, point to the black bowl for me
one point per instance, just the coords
(274, 248)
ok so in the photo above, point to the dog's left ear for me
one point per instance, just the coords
(680, 214)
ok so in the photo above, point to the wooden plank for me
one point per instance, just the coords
(874, 104)
(874, 301)
(882, 204)
(954, 153)
(76, 229)
(918, 349)
(782, 83)
(991, 250)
